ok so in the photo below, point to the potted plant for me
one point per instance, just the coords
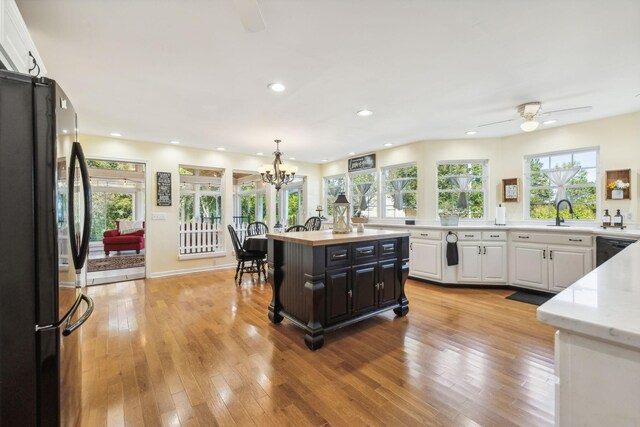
(617, 188)
(449, 214)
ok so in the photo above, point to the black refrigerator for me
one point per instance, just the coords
(45, 201)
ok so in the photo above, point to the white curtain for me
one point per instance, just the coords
(398, 185)
(560, 178)
(462, 183)
(363, 190)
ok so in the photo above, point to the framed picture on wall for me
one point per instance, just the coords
(510, 190)
(163, 188)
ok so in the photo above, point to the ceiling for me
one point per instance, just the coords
(186, 70)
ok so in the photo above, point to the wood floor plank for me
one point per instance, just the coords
(197, 350)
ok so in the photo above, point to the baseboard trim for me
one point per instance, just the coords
(481, 286)
(190, 270)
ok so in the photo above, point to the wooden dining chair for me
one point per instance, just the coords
(313, 223)
(242, 256)
(256, 228)
(296, 228)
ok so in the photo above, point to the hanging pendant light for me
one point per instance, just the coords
(277, 174)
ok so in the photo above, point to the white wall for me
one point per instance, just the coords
(618, 138)
(162, 236)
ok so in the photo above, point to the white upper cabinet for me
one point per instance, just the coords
(15, 41)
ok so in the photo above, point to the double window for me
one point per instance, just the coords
(251, 201)
(200, 210)
(462, 188)
(571, 175)
(293, 202)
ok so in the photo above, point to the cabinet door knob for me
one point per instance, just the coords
(350, 293)
(485, 250)
(544, 254)
(479, 250)
(551, 255)
(377, 286)
(382, 285)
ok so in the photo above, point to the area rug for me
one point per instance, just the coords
(115, 262)
(530, 297)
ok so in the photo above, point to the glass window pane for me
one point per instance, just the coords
(562, 161)
(538, 163)
(586, 159)
(538, 180)
(584, 176)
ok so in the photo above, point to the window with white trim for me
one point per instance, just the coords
(462, 188)
(200, 210)
(363, 190)
(399, 191)
(571, 175)
(292, 202)
(333, 186)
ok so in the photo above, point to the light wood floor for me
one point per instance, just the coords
(197, 350)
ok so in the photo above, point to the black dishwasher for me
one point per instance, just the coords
(607, 247)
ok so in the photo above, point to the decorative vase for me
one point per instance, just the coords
(360, 221)
(617, 194)
(449, 220)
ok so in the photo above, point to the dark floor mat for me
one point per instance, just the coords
(530, 297)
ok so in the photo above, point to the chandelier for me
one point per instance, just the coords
(278, 173)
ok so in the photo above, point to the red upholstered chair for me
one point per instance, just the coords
(114, 241)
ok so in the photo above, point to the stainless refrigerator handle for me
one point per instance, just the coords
(79, 249)
(69, 328)
(65, 318)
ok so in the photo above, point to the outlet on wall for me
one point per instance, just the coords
(629, 215)
(158, 216)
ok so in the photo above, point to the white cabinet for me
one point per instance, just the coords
(484, 262)
(15, 41)
(494, 261)
(567, 265)
(425, 259)
(529, 263)
(548, 267)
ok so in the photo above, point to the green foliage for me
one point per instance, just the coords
(112, 165)
(449, 196)
(106, 208)
(408, 174)
(293, 211)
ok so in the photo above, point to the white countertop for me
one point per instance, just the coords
(604, 304)
(590, 228)
(326, 237)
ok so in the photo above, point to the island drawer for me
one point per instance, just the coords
(426, 234)
(365, 251)
(494, 235)
(469, 235)
(338, 256)
(388, 248)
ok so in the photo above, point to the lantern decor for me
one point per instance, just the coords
(341, 213)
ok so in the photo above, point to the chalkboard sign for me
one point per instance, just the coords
(362, 163)
(163, 185)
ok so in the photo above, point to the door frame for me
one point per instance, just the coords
(147, 201)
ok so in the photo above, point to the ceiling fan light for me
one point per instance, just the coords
(529, 125)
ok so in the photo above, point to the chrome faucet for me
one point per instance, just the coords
(558, 219)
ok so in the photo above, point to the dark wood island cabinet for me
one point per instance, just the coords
(323, 281)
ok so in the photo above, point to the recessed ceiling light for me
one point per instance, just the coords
(364, 113)
(388, 144)
(64, 131)
(292, 158)
(277, 87)
(260, 154)
(174, 142)
(220, 148)
(471, 132)
(549, 122)
(351, 153)
(116, 134)
(324, 160)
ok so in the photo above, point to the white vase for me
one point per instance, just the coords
(617, 194)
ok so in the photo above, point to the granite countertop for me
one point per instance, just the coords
(604, 304)
(326, 237)
(589, 229)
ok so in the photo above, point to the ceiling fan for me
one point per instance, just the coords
(530, 110)
(250, 15)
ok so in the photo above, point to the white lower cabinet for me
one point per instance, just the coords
(425, 260)
(567, 265)
(548, 267)
(484, 262)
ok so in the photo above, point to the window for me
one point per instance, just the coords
(250, 199)
(293, 202)
(554, 176)
(462, 188)
(200, 210)
(364, 194)
(400, 185)
(333, 186)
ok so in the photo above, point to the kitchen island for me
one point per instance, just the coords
(597, 345)
(323, 281)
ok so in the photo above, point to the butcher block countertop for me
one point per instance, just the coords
(326, 237)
